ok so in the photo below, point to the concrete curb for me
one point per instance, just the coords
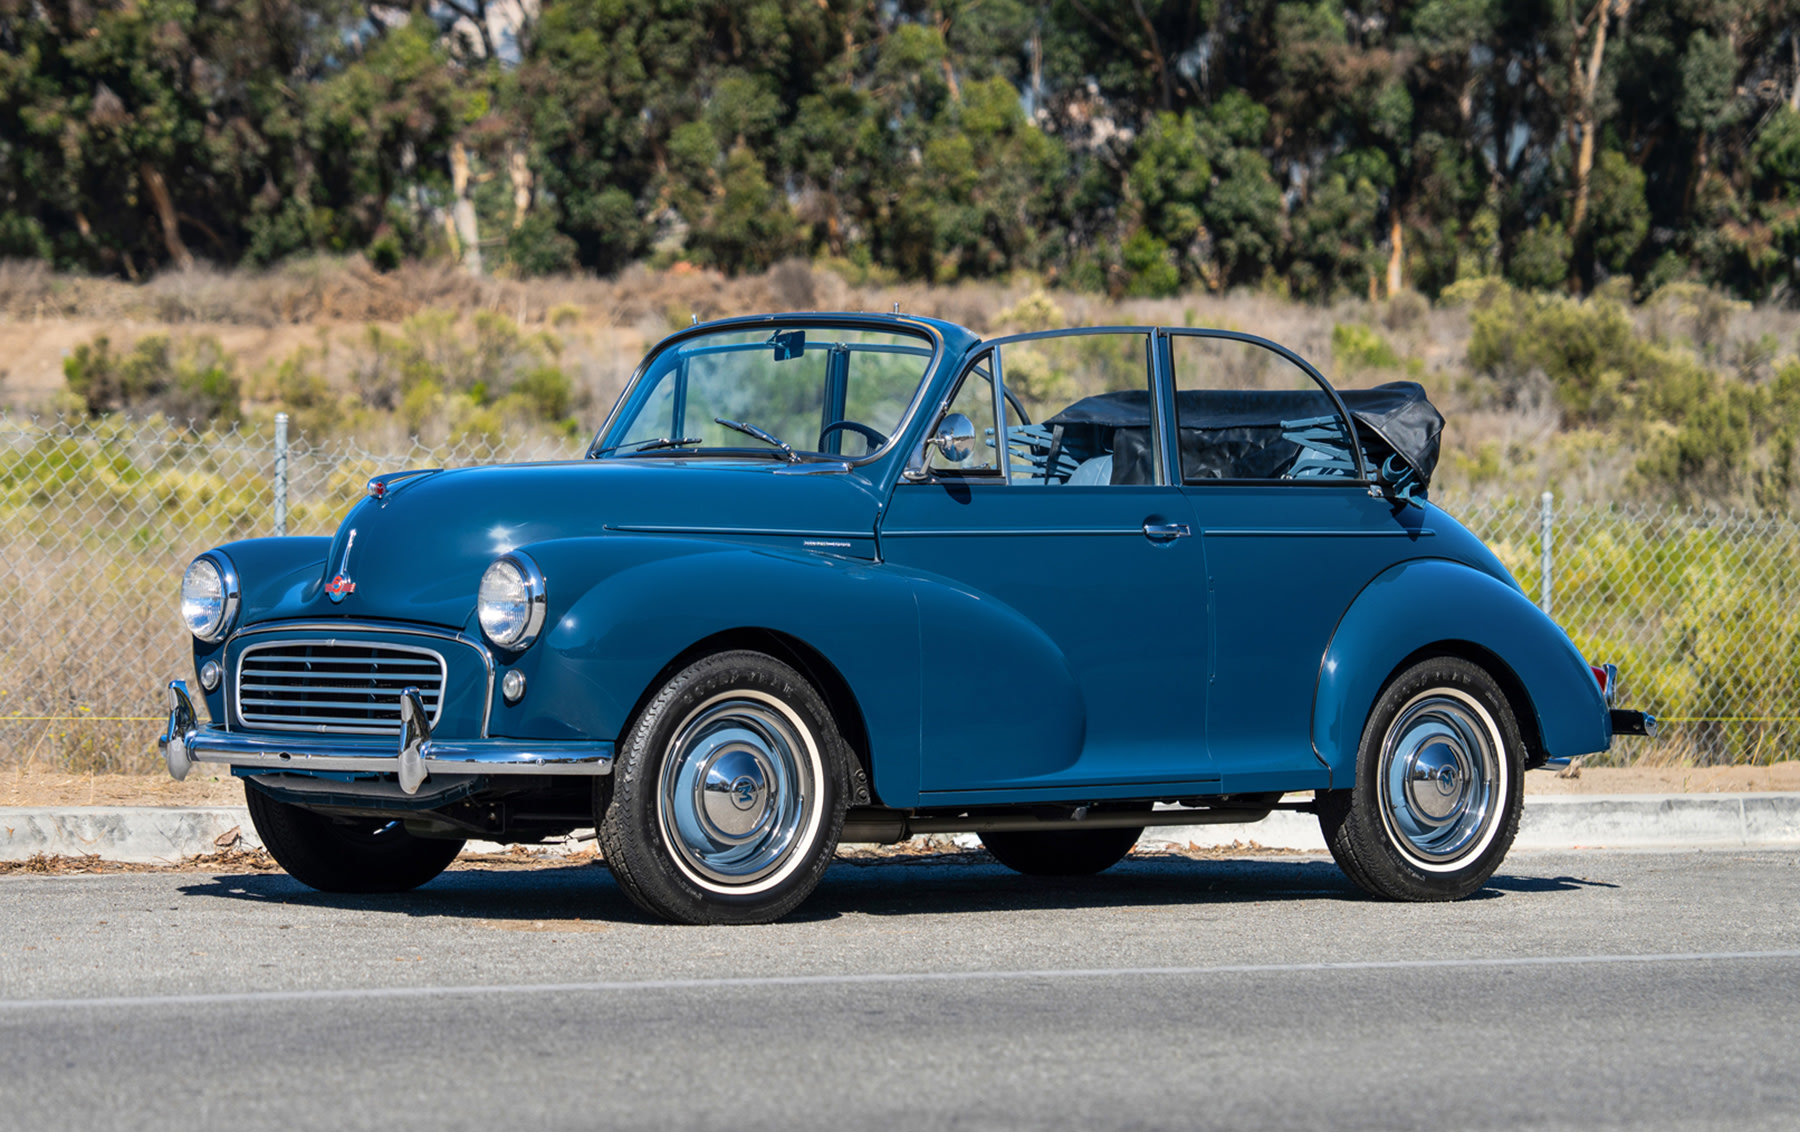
(150, 834)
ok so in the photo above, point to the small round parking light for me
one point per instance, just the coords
(209, 675)
(512, 686)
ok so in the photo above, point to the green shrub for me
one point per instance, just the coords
(1356, 347)
(193, 384)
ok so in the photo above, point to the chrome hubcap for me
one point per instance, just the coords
(1440, 778)
(735, 791)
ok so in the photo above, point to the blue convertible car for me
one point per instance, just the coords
(827, 578)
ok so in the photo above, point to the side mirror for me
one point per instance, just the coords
(955, 438)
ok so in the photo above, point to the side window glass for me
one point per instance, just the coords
(1244, 412)
(1079, 411)
(974, 399)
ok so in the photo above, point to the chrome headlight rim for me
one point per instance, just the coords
(218, 630)
(532, 580)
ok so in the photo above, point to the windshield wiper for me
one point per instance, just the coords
(651, 445)
(766, 437)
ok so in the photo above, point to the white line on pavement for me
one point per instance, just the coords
(760, 981)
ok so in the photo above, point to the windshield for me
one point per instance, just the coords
(791, 393)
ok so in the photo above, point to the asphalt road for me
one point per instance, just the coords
(1598, 990)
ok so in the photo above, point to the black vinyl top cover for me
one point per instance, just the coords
(1255, 434)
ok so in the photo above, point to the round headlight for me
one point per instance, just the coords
(510, 603)
(209, 597)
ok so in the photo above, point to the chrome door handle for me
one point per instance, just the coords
(1163, 532)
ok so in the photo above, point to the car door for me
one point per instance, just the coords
(1292, 532)
(1075, 546)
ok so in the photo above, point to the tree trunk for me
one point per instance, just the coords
(520, 171)
(1396, 255)
(165, 214)
(462, 211)
(1794, 50)
(1586, 86)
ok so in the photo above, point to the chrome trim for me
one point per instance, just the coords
(1313, 532)
(339, 627)
(1002, 443)
(535, 598)
(1164, 532)
(771, 532)
(451, 756)
(1162, 411)
(1012, 532)
(1611, 691)
(177, 739)
(415, 740)
(237, 686)
(229, 587)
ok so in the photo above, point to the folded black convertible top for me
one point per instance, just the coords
(1394, 421)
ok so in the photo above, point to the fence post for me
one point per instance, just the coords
(1546, 519)
(281, 475)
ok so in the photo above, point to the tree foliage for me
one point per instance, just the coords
(1137, 145)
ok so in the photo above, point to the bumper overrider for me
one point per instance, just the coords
(419, 755)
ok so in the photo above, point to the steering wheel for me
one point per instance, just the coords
(875, 439)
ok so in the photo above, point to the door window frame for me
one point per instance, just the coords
(1157, 375)
(1166, 336)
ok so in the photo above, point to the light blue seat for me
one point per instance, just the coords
(1090, 472)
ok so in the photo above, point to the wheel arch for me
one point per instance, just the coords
(1517, 698)
(1475, 616)
(803, 657)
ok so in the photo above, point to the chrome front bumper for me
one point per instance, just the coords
(418, 756)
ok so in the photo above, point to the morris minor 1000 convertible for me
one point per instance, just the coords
(830, 577)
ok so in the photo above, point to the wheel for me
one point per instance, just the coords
(1440, 785)
(1061, 853)
(727, 794)
(333, 855)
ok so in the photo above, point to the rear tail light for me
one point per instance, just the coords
(1607, 676)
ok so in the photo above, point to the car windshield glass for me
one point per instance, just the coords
(822, 391)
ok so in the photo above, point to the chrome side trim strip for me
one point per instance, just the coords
(1010, 532)
(771, 532)
(1311, 532)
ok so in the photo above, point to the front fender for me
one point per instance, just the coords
(1433, 602)
(274, 574)
(621, 608)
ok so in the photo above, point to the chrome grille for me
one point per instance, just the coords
(335, 686)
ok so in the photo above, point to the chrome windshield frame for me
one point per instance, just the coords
(893, 324)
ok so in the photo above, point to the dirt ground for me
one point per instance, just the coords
(44, 788)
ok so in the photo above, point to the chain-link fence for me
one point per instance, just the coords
(97, 521)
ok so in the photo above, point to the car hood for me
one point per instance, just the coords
(418, 553)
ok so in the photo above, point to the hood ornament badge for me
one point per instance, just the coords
(341, 586)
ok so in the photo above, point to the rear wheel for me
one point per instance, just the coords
(346, 855)
(1061, 853)
(727, 795)
(1439, 786)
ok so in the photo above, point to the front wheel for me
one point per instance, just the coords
(1439, 786)
(332, 855)
(727, 794)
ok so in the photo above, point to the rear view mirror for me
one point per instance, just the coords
(788, 344)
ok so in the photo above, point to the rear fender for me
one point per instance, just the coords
(1433, 605)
